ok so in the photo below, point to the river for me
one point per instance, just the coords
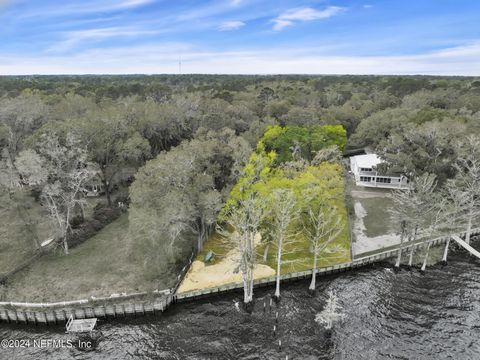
(387, 315)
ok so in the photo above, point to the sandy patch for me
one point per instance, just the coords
(200, 276)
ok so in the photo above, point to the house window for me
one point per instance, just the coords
(365, 178)
(365, 169)
(384, 180)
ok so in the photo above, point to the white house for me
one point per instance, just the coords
(364, 169)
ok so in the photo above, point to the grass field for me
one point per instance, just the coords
(99, 267)
(19, 227)
(296, 256)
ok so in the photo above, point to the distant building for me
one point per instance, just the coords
(364, 169)
(94, 187)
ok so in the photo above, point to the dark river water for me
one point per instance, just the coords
(386, 316)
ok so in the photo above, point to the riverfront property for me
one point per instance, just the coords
(198, 184)
(304, 162)
(261, 196)
(377, 320)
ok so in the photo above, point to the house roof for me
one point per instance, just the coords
(367, 161)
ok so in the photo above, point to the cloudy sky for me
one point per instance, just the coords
(240, 36)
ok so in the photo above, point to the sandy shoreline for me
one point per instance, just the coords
(201, 276)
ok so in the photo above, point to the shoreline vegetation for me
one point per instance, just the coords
(297, 159)
(168, 151)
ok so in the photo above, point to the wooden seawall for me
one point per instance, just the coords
(19, 314)
(369, 258)
(82, 309)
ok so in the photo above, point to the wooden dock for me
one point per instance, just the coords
(80, 325)
(466, 246)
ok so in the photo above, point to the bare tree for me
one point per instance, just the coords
(284, 213)
(9, 178)
(464, 189)
(330, 154)
(413, 208)
(321, 226)
(62, 171)
(438, 216)
(245, 220)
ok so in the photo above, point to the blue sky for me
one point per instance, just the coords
(240, 36)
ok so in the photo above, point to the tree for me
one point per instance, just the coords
(330, 154)
(379, 126)
(175, 198)
(245, 221)
(62, 171)
(300, 116)
(321, 226)
(464, 189)
(413, 209)
(310, 139)
(278, 108)
(438, 216)
(167, 124)
(266, 95)
(415, 150)
(284, 213)
(19, 118)
(9, 177)
(113, 144)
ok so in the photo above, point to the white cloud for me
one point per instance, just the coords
(86, 7)
(73, 38)
(133, 3)
(163, 58)
(289, 17)
(231, 25)
(368, 6)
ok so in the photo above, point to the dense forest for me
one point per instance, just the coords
(61, 134)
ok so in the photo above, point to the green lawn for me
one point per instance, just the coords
(218, 245)
(296, 256)
(100, 266)
(19, 227)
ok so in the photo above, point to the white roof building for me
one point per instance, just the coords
(364, 169)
